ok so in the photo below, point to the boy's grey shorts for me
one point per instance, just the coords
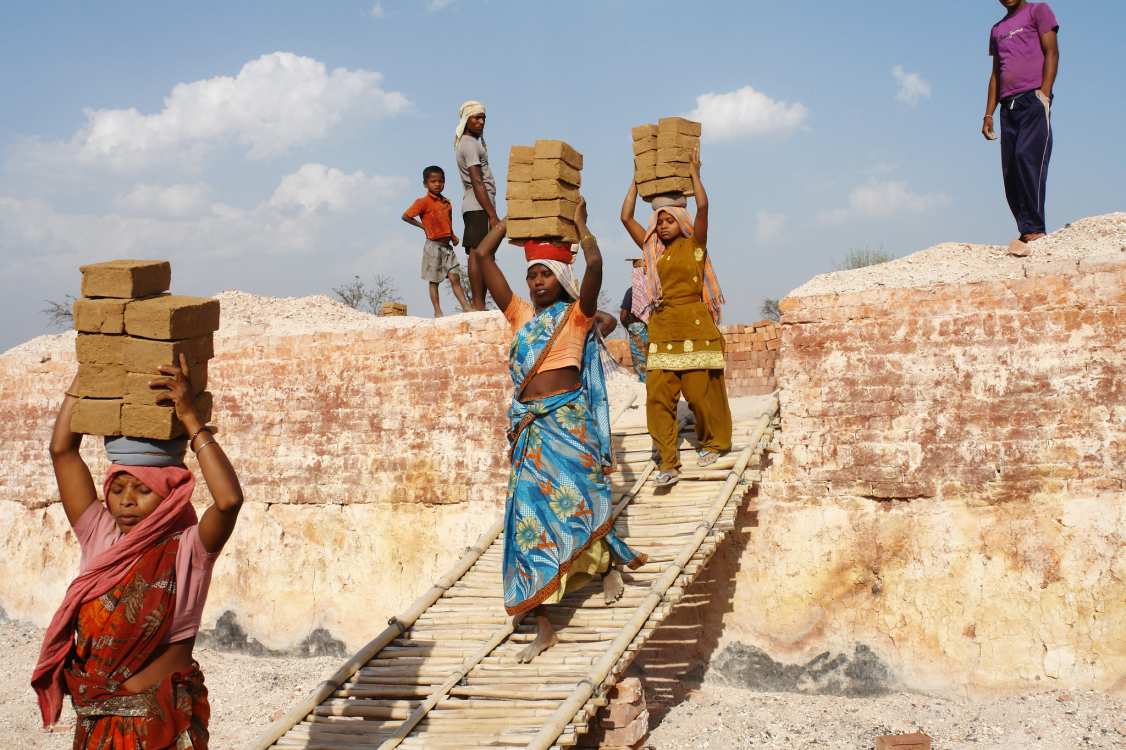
(438, 260)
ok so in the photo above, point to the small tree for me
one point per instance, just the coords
(360, 295)
(859, 257)
(769, 309)
(60, 314)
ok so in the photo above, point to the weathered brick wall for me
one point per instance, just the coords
(996, 390)
(752, 355)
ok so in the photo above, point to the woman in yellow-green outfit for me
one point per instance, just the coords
(685, 345)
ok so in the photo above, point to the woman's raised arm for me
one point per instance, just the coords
(76, 486)
(226, 493)
(635, 230)
(592, 276)
(486, 255)
(700, 229)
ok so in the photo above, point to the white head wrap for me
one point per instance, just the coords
(669, 201)
(464, 112)
(564, 272)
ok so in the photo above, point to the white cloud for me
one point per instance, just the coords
(277, 101)
(745, 113)
(176, 201)
(315, 187)
(769, 226)
(377, 9)
(881, 199)
(912, 87)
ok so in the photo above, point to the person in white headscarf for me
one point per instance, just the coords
(478, 206)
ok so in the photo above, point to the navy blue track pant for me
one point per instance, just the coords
(1026, 149)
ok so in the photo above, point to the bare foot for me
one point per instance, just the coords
(612, 585)
(545, 639)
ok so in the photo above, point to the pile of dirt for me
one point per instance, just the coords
(1092, 240)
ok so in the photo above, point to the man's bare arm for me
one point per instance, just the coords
(1050, 44)
(482, 195)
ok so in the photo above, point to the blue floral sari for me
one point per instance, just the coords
(559, 498)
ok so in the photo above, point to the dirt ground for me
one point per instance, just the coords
(247, 693)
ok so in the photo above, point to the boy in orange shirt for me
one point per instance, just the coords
(438, 259)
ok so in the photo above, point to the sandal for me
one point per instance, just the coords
(667, 478)
(706, 458)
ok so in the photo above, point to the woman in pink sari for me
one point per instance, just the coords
(121, 642)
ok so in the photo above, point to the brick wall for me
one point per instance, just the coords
(752, 354)
(996, 390)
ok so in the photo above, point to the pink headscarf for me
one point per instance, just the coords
(652, 249)
(174, 514)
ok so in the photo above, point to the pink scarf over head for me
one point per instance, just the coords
(173, 515)
(651, 251)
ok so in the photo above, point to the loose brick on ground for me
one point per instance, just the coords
(172, 317)
(126, 279)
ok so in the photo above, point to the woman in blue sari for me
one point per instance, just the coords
(558, 525)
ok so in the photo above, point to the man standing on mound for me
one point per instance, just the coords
(1025, 61)
(478, 207)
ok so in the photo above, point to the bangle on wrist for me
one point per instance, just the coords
(212, 441)
(988, 117)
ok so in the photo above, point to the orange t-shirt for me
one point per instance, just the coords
(567, 351)
(436, 214)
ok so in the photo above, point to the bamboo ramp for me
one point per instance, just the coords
(444, 674)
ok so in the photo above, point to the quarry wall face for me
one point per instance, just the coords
(948, 493)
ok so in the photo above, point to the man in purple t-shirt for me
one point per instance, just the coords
(1025, 60)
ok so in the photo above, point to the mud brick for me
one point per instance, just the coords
(397, 309)
(673, 169)
(644, 131)
(645, 145)
(915, 741)
(96, 416)
(667, 155)
(560, 207)
(172, 317)
(521, 155)
(159, 422)
(521, 209)
(633, 732)
(559, 150)
(99, 315)
(546, 190)
(99, 381)
(676, 140)
(136, 385)
(648, 159)
(679, 125)
(644, 173)
(519, 191)
(99, 349)
(620, 715)
(147, 355)
(556, 169)
(628, 690)
(126, 279)
(673, 185)
(544, 228)
(520, 172)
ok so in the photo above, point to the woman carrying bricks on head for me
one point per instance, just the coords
(685, 344)
(558, 528)
(121, 642)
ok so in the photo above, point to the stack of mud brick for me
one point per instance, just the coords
(662, 156)
(623, 724)
(543, 191)
(128, 328)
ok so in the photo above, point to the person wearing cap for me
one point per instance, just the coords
(682, 299)
(121, 642)
(478, 206)
(637, 332)
(558, 524)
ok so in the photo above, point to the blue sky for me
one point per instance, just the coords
(271, 146)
